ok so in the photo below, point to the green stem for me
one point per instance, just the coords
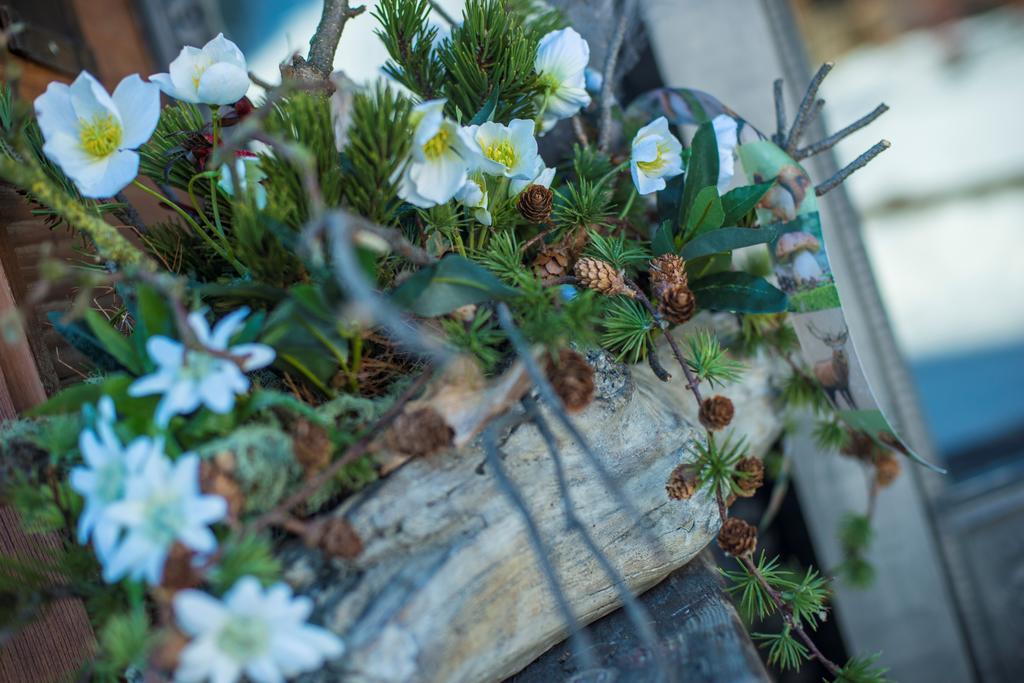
(629, 203)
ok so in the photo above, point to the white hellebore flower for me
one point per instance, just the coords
(92, 135)
(249, 175)
(438, 168)
(162, 504)
(261, 634)
(656, 156)
(561, 62)
(473, 195)
(188, 378)
(101, 481)
(216, 74)
(509, 151)
(544, 179)
(726, 139)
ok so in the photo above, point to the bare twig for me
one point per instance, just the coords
(831, 140)
(803, 113)
(779, 138)
(656, 367)
(611, 63)
(281, 512)
(581, 640)
(635, 611)
(324, 43)
(848, 170)
(580, 131)
(436, 7)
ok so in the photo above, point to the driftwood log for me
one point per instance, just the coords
(447, 588)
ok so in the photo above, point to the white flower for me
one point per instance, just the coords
(188, 378)
(438, 168)
(544, 178)
(92, 135)
(473, 195)
(250, 176)
(594, 80)
(101, 481)
(216, 74)
(261, 634)
(726, 138)
(162, 504)
(509, 151)
(656, 156)
(561, 62)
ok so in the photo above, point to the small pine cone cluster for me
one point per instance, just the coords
(887, 468)
(601, 276)
(667, 270)
(572, 379)
(677, 304)
(682, 483)
(737, 538)
(419, 433)
(751, 471)
(312, 447)
(335, 537)
(551, 263)
(891, 440)
(716, 412)
(216, 477)
(535, 203)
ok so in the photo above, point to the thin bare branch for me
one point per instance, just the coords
(831, 140)
(855, 165)
(656, 367)
(324, 43)
(779, 138)
(436, 7)
(611, 63)
(803, 113)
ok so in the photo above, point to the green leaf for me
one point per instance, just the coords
(115, 343)
(453, 282)
(702, 169)
(705, 214)
(726, 239)
(486, 112)
(739, 201)
(662, 242)
(738, 292)
(669, 202)
(74, 397)
(83, 341)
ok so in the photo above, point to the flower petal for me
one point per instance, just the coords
(54, 112)
(256, 355)
(90, 99)
(138, 104)
(183, 71)
(226, 328)
(223, 83)
(220, 49)
(109, 176)
(156, 383)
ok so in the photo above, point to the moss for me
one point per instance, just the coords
(265, 465)
(817, 299)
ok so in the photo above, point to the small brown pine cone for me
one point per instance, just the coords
(751, 471)
(893, 442)
(887, 468)
(535, 203)
(572, 379)
(335, 536)
(601, 276)
(860, 445)
(551, 263)
(311, 445)
(216, 478)
(667, 270)
(737, 538)
(677, 304)
(419, 433)
(682, 483)
(716, 412)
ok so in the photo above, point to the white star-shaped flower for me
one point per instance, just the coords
(656, 155)
(189, 378)
(93, 136)
(437, 169)
(162, 504)
(215, 74)
(260, 633)
(499, 150)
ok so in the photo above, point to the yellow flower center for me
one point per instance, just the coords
(436, 145)
(652, 167)
(502, 152)
(100, 137)
(198, 69)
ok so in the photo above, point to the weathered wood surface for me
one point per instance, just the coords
(447, 588)
(701, 632)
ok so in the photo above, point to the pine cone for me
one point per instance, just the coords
(535, 203)
(216, 477)
(716, 412)
(737, 538)
(887, 468)
(682, 483)
(860, 445)
(601, 276)
(335, 537)
(311, 445)
(419, 433)
(667, 270)
(677, 304)
(572, 379)
(551, 263)
(893, 442)
(753, 468)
